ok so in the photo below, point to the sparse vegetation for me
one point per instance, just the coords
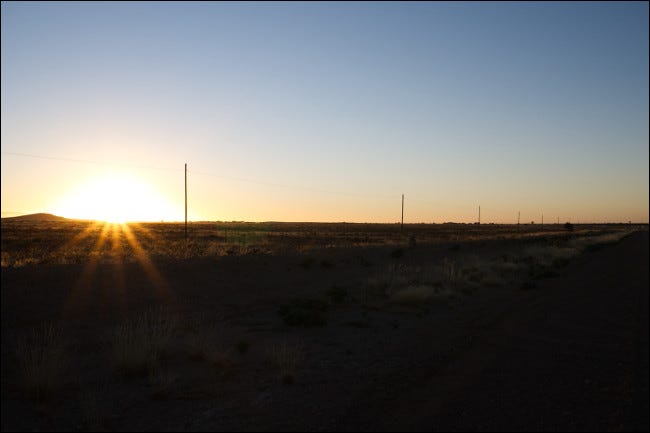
(414, 295)
(286, 357)
(221, 359)
(306, 312)
(42, 358)
(140, 342)
(230, 315)
(160, 382)
(337, 294)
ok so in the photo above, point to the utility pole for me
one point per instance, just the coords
(402, 226)
(479, 215)
(518, 216)
(185, 201)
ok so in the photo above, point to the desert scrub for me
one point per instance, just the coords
(286, 357)
(42, 360)
(139, 343)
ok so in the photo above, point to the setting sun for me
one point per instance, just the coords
(117, 198)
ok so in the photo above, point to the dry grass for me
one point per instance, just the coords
(286, 357)
(414, 295)
(160, 382)
(201, 342)
(222, 359)
(42, 360)
(140, 342)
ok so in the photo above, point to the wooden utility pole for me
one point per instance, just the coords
(402, 226)
(479, 215)
(518, 217)
(185, 201)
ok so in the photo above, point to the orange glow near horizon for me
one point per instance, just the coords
(116, 198)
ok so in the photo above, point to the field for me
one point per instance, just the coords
(306, 326)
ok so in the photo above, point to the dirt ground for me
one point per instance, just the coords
(561, 350)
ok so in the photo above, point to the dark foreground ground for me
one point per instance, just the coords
(567, 351)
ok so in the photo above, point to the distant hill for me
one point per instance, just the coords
(37, 217)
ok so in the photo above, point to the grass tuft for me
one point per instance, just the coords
(286, 357)
(140, 342)
(42, 359)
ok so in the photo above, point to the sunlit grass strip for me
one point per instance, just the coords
(140, 342)
(42, 359)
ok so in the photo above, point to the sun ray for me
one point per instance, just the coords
(147, 265)
(90, 228)
(118, 274)
(79, 296)
(84, 292)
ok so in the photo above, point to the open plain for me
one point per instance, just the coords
(324, 327)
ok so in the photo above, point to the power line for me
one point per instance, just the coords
(280, 185)
(88, 161)
(200, 173)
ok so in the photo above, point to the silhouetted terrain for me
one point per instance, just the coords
(36, 217)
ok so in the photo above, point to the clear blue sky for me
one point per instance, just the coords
(330, 111)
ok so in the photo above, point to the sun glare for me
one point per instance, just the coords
(117, 198)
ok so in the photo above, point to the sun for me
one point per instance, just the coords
(117, 198)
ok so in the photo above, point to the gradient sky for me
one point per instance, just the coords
(330, 111)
